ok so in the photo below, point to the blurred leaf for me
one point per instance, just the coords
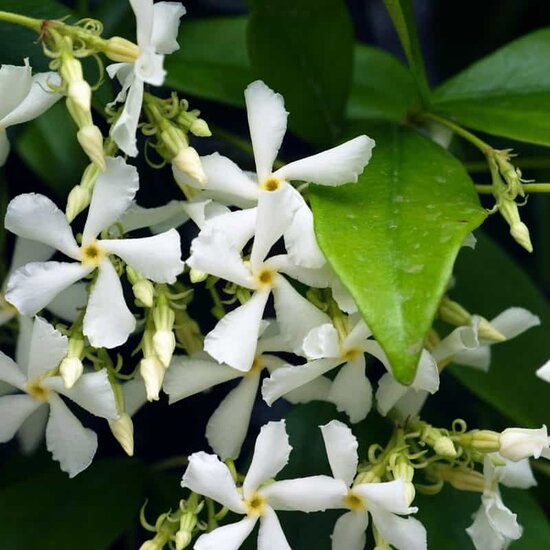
(393, 237)
(89, 512)
(304, 50)
(505, 94)
(488, 281)
(382, 87)
(49, 146)
(212, 61)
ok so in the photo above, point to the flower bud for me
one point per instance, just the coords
(71, 369)
(444, 446)
(91, 141)
(520, 232)
(187, 160)
(182, 539)
(200, 128)
(123, 430)
(164, 343)
(81, 94)
(152, 371)
(484, 441)
(197, 276)
(460, 478)
(519, 443)
(79, 198)
(121, 50)
(144, 292)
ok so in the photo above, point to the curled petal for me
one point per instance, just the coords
(125, 128)
(403, 533)
(166, 20)
(341, 446)
(15, 83)
(47, 347)
(322, 342)
(388, 495)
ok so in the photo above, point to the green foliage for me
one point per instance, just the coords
(506, 93)
(393, 237)
(295, 52)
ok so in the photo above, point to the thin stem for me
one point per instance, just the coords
(530, 163)
(527, 187)
(29, 22)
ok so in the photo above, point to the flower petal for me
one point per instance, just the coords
(108, 321)
(483, 535)
(166, 20)
(544, 372)
(23, 344)
(514, 321)
(208, 476)
(307, 494)
(342, 296)
(459, 340)
(31, 432)
(10, 372)
(26, 251)
(14, 410)
(233, 340)
(113, 193)
(516, 474)
(319, 277)
(351, 390)
(149, 67)
(237, 227)
(403, 533)
(270, 534)
(341, 446)
(388, 495)
(15, 83)
(144, 13)
(70, 443)
(271, 454)
(479, 358)
(125, 128)
(47, 347)
(68, 303)
(228, 537)
(228, 426)
(35, 285)
(267, 122)
(349, 531)
(33, 216)
(389, 392)
(359, 333)
(322, 342)
(411, 404)
(341, 164)
(316, 390)
(169, 216)
(135, 396)
(4, 146)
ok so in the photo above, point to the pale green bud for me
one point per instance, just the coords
(444, 446)
(164, 343)
(121, 50)
(197, 276)
(71, 369)
(152, 371)
(200, 128)
(123, 430)
(187, 160)
(144, 292)
(91, 141)
(520, 232)
(81, 94)
(79, 198)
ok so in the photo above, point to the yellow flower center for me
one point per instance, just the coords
(37, 391)
(351, 354)
(271, 184)
(92, 254)
(265, 278)
(354, 502)
(255, 504)
(256, 365)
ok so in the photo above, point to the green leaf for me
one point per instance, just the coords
(50, 511)
(304, 50)
(382, 87)
(487, 282)
(393, 237)
(212, 61)
(505, 94)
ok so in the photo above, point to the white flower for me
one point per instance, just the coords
(495, 526)
(208, 476)
(157, 30)
(69, 442)
(228, 425)
(267, 120)
(23, 97)
(217, 251)
(351, 390)
(108, 321)
(519, 443)
(384, 501)
(544, 372)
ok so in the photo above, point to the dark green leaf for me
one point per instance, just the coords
(393, 237)
(212, 61)
(304, 50)
(89, 512)
(382, 87)
(489, 281)
(506, 93)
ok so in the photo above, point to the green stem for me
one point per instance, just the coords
(15, 18)
(529, 163)
(527, 187)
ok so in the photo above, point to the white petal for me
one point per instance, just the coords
(26, 251)
(36, 217)
(349, 531)
(92, 392)
(411, 404)
(188, 376)
(267, 122)
(308, 494)
(202, 212)
(341, 446)
(38, 100)
(514, 321)
(108, 321)
(47, 347)
(427, 374)
(149, 67)
(227, 427)
(319, 277)
(23, 344)
(479, 358)
(544, 372)
(289, 378)
(342, 296)
(296, 315)
(15, 83)
(4, 146)
(237, 227)
(357, 336)
(207, 476)
(166, 20)
(32, 431)
(404, 534)
(502, 520)
(35, 285)
(316, 390)
(125, 128)
(271, 454)
(157, 258)
(322, 342)
(389, 392)
(144, 12)
(124, 73)
(10, 372)
(170, 215)
(135, 396)
(483, 535)
(113, 193)
(519, 443)
(228, 537)
(68, 303)
(214, 254)
(351, 390)
(270, 534)
(72, 445)
(341, 164)
(388, 495)
(14, 410)
(233, 340)
(516, 474)
(460, 339)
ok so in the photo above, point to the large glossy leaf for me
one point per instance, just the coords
(382, 87)
(50, 511)
(304, 50)
(212, 61)
(506, 93)
(487, 282)
(393, 237)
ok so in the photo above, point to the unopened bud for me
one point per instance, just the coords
(200, 128)
(144, 292)
(121, 50)
(444, 446)
(182, 539)
(164, 343)
(152, 371)
(71, 369)
(483, 441)
(188, 161)
(123, 430)
(460, 478)
(79, 198)
(91, 141)
(519, 443)
(197, 276)
(520, 232)
(81, 94)
(487, 331)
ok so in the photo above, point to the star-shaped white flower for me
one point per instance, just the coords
(208, 476)
(69, 442)
(23, 97)
(157, 30)
(108, 322)
(267, 120)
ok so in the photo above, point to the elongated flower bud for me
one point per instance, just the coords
(123, 430)
(152, 371)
